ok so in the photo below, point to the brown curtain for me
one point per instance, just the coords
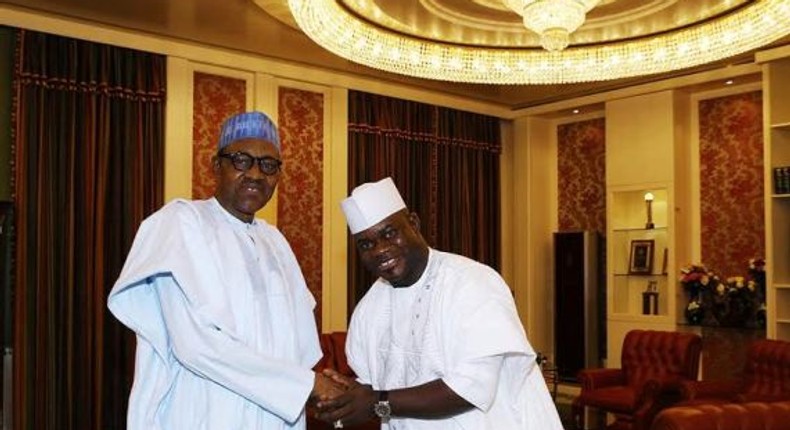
(445, 163)
(88, 136)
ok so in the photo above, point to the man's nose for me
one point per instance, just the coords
(381, 246)
(255, 172)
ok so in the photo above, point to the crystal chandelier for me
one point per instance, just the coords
(339, 31)
(552, 20)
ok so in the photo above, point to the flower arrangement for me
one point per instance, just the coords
(757, 278)
(756, 275)
(695, 278)
(737, 301)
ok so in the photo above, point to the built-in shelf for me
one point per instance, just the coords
(776, 94)
(626, 291)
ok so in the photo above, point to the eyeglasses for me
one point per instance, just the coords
(243, 162)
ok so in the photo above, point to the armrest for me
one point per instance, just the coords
(593, 379)
(662, 391)
(726, 390)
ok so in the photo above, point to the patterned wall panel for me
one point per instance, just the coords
(300, 201)
(581, 166)
(215, 98)
(731, 182)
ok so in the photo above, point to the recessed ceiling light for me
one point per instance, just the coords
(729, 82)
(576, 111)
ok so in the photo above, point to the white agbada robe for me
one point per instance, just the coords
(226, 335)
(457, 323)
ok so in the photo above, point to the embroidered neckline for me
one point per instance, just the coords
(418, 320)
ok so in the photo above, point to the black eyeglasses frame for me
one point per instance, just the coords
(267, 164)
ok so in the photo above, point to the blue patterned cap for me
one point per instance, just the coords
(248, 125)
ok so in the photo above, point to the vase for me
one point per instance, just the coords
(733, 310)
(694, 316)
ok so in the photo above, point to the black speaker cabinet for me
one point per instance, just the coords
(576, 314)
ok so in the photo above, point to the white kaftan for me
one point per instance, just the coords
(457, 323)
(225, 330)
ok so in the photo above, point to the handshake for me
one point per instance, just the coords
(339, 399)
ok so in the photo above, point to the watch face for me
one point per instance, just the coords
(382, 409)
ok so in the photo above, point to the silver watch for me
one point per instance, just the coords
(382, 408)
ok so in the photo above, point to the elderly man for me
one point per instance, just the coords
(436, 342)
(226, 337)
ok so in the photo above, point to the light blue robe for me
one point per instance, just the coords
(226, 335)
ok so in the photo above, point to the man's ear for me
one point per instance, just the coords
(215, 163)
(414, 220)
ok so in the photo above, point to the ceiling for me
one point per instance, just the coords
(266, 27)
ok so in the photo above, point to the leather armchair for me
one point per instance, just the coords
(766, 378)
(654, 364)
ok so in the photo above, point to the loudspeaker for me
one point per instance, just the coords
(576, 298)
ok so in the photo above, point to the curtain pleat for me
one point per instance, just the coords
(444, 161)
(89, 145)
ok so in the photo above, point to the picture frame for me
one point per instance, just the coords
(640, 260)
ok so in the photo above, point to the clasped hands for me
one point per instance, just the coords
(342, 400)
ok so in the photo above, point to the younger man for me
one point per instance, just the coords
(436, 342)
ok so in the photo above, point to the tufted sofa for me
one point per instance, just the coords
(654, 364)
(766, 377)
(726, 416)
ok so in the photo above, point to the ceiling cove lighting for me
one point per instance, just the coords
(750, 27)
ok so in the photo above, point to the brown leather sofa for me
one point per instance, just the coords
(758, 401)
(766, 378)
(725, 416)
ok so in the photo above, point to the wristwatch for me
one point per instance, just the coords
(382, 407)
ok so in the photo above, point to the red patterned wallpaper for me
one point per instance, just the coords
(300, 199)
(215, 98)
(731, 182)
(581, 166)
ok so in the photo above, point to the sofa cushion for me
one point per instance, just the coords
(728, 416)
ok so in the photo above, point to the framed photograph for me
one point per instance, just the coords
(640, 261)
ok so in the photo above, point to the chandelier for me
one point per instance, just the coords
(339, 31)
(552, 20)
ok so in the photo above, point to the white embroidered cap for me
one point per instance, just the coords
(370, 203)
